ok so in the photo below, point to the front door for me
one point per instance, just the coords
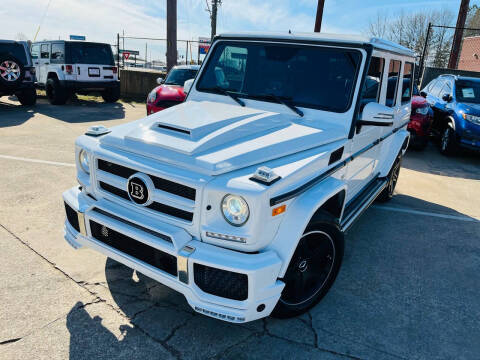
(361, 170)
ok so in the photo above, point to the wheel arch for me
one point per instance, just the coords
(328, 196)
(52, 75)
(398, 145)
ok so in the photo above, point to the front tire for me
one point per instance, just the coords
(447, 142)
(56, 94)
(27, 97)
(313, 267)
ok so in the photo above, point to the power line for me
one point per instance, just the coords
(42, 19)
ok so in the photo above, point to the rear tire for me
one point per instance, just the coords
(111, 95)
(27, 97)
(447, 142)
(56, 94)
(313, 267)
(387, 193)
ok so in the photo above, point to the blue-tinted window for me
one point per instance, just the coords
(306, 76)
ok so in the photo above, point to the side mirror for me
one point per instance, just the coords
(187, 86)
(423, 94)
(375, 114)
(160, 81)
(447, 97)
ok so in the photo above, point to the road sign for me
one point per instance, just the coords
(77, 37)
(126, 55)
(203, 45)
(131, 52)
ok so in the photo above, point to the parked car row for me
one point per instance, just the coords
(62, 68)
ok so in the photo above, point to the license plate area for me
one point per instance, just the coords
(93, 72)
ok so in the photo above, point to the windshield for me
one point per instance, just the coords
(179, 76)
(89, 53)
(308, 76)
(468, 91)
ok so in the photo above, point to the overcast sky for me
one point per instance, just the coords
(100, 20)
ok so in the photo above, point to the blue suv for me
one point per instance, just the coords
(455, 101)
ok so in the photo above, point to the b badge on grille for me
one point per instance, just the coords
(138, 186)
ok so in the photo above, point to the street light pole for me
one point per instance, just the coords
(171, 33)
(318, 19)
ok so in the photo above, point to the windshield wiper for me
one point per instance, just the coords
(228, 93)
(284, 100)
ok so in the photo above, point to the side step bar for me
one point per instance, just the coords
(359, 204)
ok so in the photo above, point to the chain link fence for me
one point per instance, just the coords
(443, 54)
(150, 53)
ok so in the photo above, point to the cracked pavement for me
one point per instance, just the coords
(408, 287)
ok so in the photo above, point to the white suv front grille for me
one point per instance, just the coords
(169, 197)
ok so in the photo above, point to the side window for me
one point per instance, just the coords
(437, 88)
(35, 51)
(407, 83)
(371, 87)
(393, 75)
(58, 52)
(447, 89)
(45, 53)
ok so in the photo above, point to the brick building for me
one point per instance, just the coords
(469, 58)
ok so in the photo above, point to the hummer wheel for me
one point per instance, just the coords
(313, 267)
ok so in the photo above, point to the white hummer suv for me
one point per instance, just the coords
(239, 197)
(67, 67)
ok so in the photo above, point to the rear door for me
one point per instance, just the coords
(92, 62)
(43, 63)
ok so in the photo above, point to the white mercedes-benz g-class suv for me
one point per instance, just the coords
(239, 197)
(67, 67)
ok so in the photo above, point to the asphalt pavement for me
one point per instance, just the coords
(408, 287)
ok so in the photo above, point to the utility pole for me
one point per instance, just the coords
(318, 19)
(171, 34)
(213, 16)
(457, 38)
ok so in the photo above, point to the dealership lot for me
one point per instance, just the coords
(408, 287)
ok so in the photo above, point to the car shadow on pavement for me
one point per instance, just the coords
(464, 164)
(401, 273)
(14, 114)
(76, 111)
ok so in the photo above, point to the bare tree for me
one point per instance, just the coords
(410, 30)
(21, 37)
(379, 26)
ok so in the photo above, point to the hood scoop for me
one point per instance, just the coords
(174, 129)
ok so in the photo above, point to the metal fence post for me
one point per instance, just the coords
(118, 50)
(424, 53)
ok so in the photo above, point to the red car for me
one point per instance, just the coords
(170, 92)
(420, 122)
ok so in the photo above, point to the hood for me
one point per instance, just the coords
(418, 101)
(170, 92)
(470, 108)
(214, 138)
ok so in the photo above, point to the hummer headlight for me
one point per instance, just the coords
(235, 210)
(84, 161)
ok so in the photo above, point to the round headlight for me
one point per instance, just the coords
(152, 96)
(235, 210)
(84, 161)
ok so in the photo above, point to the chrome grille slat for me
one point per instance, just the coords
(169, 198)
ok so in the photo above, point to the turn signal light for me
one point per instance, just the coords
(69, 69)
(114, 69)
(279, 210)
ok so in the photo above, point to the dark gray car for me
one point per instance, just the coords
(17, 74)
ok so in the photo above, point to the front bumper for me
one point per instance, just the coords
(262, 269)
